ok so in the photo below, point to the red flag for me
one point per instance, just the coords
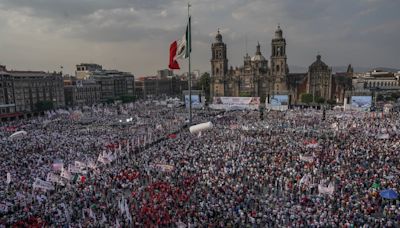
(83, 179)
(173, 64)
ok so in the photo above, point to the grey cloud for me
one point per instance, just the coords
(343, 31)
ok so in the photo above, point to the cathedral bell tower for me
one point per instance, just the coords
(219, 67)
(279, 67)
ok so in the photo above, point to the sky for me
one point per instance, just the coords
(134, 35)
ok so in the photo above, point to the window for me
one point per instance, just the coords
(216, 70)
(277, 68)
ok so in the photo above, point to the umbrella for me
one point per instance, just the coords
(389, 194)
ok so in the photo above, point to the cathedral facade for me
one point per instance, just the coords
(256, 78)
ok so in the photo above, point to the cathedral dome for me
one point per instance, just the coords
(318, 64)
(258, 56)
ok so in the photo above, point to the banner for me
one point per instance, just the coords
(196, 101)
(51, 177)
(80, 165)
(58, 165)
(65, 174)
(361, 102)
(278, 102)
(306, 158)
(74, 169)
(326, 190)
(383, 136)
(45, 185)
(236, 103)
(164, 168)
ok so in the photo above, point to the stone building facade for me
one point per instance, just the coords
(82, 93)
(319, 80)
(22, 91)
(255, 77)
(258, 78)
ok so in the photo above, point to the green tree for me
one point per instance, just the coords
(127, 99)
(306, 98)
(331, 102)
(245, 94)
(44, 105)
(204, 84)
(319, 100)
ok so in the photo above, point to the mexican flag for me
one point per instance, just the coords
(80, 178)
(180, 49)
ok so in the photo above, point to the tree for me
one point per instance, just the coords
(204, 84)
(44, 105)
(331, 102)
(127, 99)
(245, 94)
(306, 98)
(319, 100)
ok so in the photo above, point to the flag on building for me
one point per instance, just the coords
(180, 49)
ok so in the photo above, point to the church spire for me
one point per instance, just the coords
(258, 52)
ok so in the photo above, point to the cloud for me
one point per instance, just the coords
(119, 32)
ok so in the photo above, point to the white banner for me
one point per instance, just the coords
(45, 185)
(326, 190)
(75, 169)
(236, 103)
(58, 166)
(383, 136)
(80, 165)
(51, 177)
(65, 174)
(306, 158)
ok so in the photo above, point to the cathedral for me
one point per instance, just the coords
(257, 78)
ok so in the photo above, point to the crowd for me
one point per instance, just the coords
(137, 165)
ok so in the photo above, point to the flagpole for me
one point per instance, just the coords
(190, 75)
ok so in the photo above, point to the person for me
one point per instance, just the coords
(291, 169)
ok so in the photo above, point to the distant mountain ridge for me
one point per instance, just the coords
(301, 69)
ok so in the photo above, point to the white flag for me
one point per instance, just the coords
(8, 178)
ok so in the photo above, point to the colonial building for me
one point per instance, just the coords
(319, 80)
(7, 102)
(31, 87)
(248, 80)
(255, 77)
(22, 92)
(258, 78)
(279, 66)
(82, 92)
(85, 70)
(155, 86)
(113, 84)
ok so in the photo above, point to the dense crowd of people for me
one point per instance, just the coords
(137, 164)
